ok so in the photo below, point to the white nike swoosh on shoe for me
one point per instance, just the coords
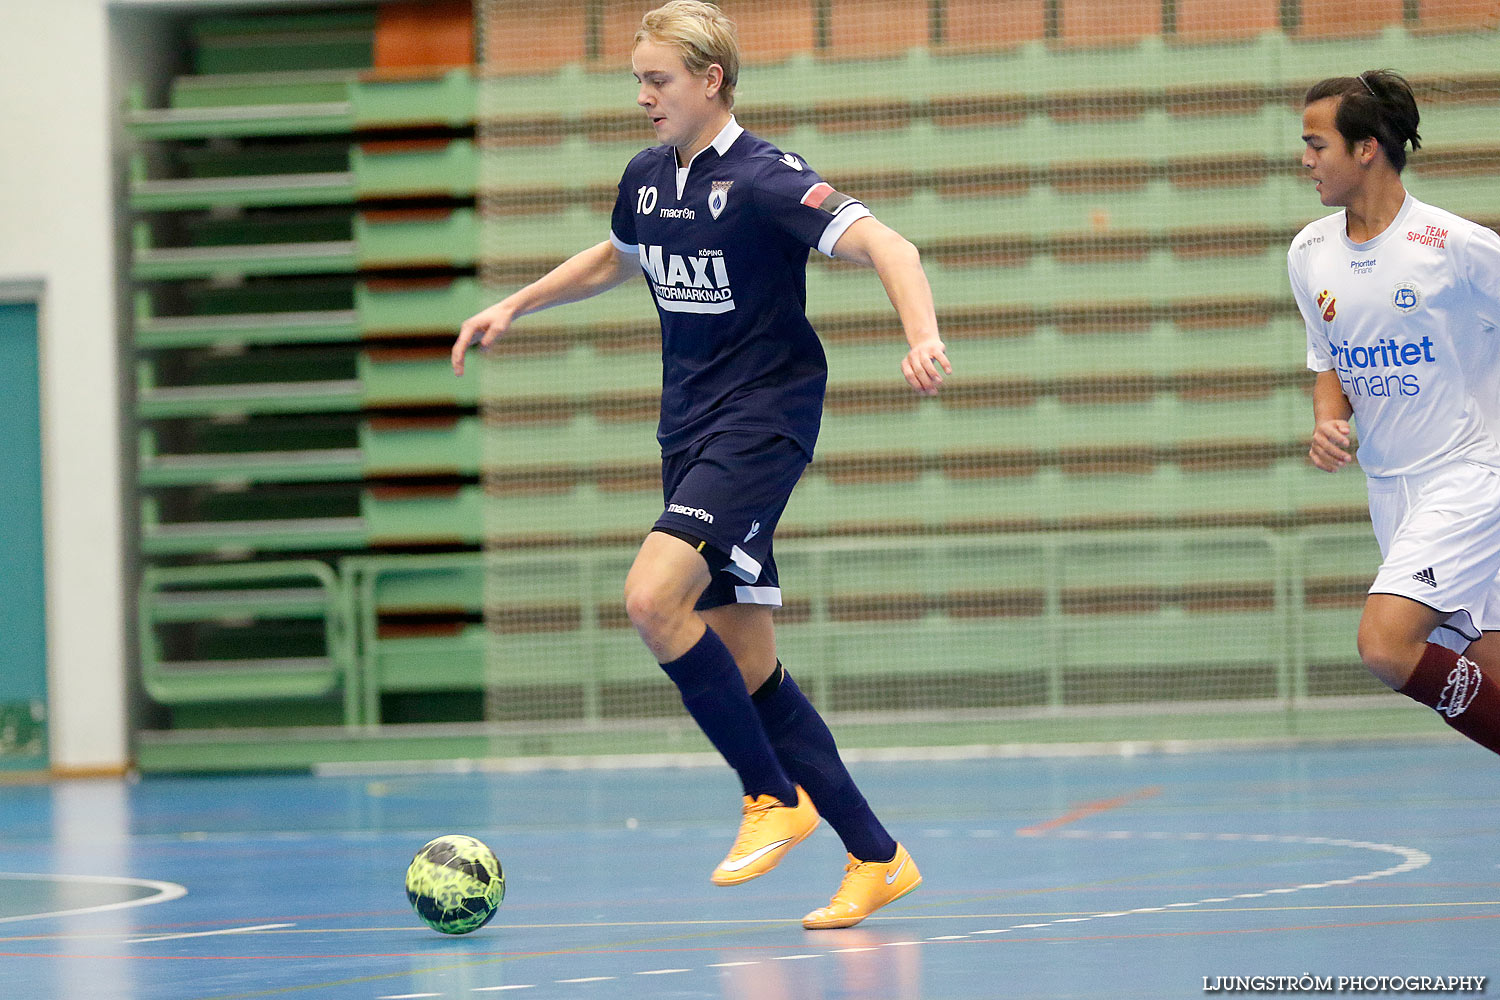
(891, 878)
(753, 856)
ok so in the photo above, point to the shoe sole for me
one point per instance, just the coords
(845, 922)
(739, 878)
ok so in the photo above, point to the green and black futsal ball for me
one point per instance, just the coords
(455, 884)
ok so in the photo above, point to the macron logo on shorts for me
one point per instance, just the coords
(698, 512)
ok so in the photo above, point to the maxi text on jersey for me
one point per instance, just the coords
(698, 284)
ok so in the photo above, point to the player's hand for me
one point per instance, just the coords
(481, 330)
(925, 364)
(1330, 442)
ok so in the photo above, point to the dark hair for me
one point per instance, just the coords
(1377, 104)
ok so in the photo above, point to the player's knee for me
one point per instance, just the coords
(1389, 657)
(653, 609)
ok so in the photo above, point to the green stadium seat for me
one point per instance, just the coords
(313, 396)
(408, 168)
(425, 658)
(256, 660)
(423, 515)
(397, 377)
(250, 90)
(178, 194)
(441, 445)
(391, 378)
(388, 516)
(402, 307)
(288, 466)
(441, 648)
(316, 103)
(315, 244)
(383, 169)
(161, 538)
(240, 43)
(387, 447)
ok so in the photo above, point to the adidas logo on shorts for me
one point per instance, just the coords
(1425, 576)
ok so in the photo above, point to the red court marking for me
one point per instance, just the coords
(1089, 809)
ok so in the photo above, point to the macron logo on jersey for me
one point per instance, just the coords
(689, 284)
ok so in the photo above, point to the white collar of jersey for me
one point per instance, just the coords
(730, 132)
(1378, 238)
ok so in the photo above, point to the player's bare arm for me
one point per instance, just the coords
(1331, 412)
(585, 274)
(874, 244)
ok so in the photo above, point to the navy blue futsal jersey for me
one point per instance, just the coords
(724, 247)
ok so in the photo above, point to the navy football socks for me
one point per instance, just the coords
(807, 751)
(714, 694)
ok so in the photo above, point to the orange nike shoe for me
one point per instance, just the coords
(769, 829)
(867, 886)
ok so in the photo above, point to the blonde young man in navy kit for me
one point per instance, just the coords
(720, 223)
(1402, 302)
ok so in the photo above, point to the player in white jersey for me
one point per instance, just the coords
(1402, 304)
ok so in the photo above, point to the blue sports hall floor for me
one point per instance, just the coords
(1149, 875)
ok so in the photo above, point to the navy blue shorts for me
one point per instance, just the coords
(729, 490)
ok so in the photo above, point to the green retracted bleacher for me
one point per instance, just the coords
(323, 197)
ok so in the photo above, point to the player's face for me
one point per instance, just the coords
(1336, 171)
(681, 106)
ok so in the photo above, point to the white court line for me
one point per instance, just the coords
(1411, 860)
(225, 930)
(165, 893)
(496, 989)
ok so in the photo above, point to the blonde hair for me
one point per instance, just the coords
(703, 35)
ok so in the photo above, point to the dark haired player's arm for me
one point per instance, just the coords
(874, 244)
(585, 274)
(1331, 412)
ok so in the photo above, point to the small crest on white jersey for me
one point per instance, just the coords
(718, 198)
(1406, 296)
(791, 161)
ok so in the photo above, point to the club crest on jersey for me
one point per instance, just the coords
(718, 198)
(1406, 296)
(1326, 301)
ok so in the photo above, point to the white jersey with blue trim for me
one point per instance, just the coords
(724, 243)
(1408, 320)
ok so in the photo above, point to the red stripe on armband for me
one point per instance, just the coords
(816, 195)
